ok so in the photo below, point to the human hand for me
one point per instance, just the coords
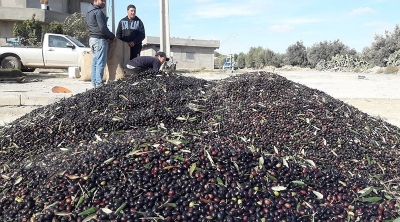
(131, 44)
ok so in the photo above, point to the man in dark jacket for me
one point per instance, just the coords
(131, 30)
(143, 63)
(99, 35)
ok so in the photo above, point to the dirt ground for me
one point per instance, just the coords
(375, 94)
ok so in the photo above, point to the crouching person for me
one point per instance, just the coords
(143, 63)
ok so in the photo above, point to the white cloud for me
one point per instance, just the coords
(280, 28)
(223, 10)
(303, 20)
(360, 11)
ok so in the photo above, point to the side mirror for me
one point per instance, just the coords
(69, 45)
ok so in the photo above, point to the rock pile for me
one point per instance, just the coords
(159, 147)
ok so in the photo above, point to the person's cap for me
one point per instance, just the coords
(162, 54)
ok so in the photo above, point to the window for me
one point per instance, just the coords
(57, 41)
(190, 56)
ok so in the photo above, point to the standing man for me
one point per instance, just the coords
(99, 35)
(143, 63)
(131, 30)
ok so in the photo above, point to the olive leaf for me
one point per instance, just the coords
(371, 199)
(298, 182)
(278, 188)
(310, 162)
(220, 182)
(90, 217)
(318, 194)
(261, 162)
(88, 211)
(18, 180)
(81, 199)
(364, 192)
(109, 160)
(120, 208)
(192, 168)
(106, 210)
(62, 214)
(271, 177)
(123, 97)
(168, 205)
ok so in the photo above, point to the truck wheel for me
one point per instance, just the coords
(11, 62)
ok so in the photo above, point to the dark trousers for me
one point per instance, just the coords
(135, 51)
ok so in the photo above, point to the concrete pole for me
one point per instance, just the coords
(112, 17)
(164, 27)
(167, 33)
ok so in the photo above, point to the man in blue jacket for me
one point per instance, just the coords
(131, 30)
(99, 35)
(144, 63)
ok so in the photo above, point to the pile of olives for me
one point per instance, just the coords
(165, 147)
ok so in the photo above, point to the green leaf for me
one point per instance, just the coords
(80, 201)
(168, 205)
(109, 160)
(88, 211)
(364, 192)
(218, 117)
(179, 158)
(388, 197)
(298, 182)
(147, 165)
(192, 168)
(220, 182)
(298, 207)
(120, 208)
(371, 199)
(271, 177)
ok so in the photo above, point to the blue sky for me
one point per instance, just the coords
(272, 24)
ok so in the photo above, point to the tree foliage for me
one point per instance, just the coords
(29, 32)
(241, 60)
(324, 51)
(54, 27)
(296, 55)
(382, 47)
(75, 26)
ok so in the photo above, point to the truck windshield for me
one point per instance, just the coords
(78, 43)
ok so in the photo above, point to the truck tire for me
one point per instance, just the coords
(11, 62)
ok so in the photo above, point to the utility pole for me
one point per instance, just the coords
(112, 17)
(164, 27)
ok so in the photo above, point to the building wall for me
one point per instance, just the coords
(12, 11)
(190, 58)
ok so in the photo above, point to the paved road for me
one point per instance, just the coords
(375, 94)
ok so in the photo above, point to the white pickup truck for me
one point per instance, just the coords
(57, 51)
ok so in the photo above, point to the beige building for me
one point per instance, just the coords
(189, 54)
(12, 11)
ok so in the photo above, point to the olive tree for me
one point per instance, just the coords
(324, 51)
(382, 47)
(296, 55)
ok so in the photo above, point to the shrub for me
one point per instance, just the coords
(391, 69)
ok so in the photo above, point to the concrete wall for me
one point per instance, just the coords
(12, 11)
(202, 57)
(14, 3)
(190, 54)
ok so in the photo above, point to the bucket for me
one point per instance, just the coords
(73, 72)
